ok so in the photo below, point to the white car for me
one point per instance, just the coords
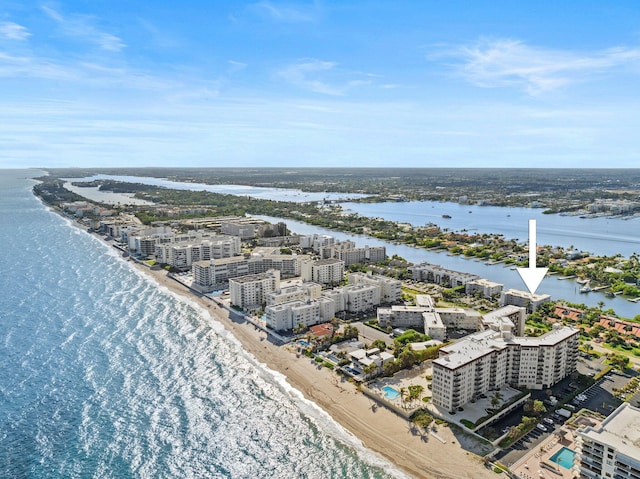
(541, 427)
(548, 421)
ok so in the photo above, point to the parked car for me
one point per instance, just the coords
(541, 427)
(548, 421)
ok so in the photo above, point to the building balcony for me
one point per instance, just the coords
(593, 470)
(594, 461)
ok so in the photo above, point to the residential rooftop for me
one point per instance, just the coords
(620, 430)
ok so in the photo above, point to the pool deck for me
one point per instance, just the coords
(534, 464)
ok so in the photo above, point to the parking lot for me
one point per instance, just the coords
(598, 397)
(590, 366)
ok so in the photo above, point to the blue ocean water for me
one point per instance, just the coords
(103, 374)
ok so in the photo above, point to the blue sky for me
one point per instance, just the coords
(325, 83)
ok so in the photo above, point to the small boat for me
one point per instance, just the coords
(446, 216)
(585, 289)
(582, 281)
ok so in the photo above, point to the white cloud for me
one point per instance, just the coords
(283, 13)
(301, 75)
(322, 77)
(235, 66)
(12, 66)
(13, 31)
(131, 129)
(506, 62)
(81, 26)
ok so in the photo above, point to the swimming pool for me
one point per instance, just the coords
(390, 393)
(564, 457)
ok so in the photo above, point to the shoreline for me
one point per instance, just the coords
(376, 427)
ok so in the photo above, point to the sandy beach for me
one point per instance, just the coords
(378, 428)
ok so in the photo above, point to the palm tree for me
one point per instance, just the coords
(403, 395)
(495, 399)
(415, 391)
(369, 369)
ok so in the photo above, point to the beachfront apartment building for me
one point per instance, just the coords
(119, 228)
(351, 298)
(527, 300)
(287, 316)
(323, 271)
(282, 317)
(610, 450)
(250, 292)
(489, 359)
(182, 255)
(216, 273)
(390, 288)
(290, 306)
(439, 275)
(143, 241)
(488, 289)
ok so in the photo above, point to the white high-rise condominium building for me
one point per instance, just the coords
(514, 315)
(486, 288)
(183, 255)
(353, 255)
(525, 299)
(306, 312)
(490, 359)
(249, 292)
(362, 297)
(390, 288)
(439, 275)
(324, 271)
(610, 450)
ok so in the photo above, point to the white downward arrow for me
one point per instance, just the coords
(532, 276)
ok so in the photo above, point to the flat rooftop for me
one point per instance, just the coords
(470, 348)
(620, 430)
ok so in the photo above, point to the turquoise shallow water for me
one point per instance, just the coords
(106, 375)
